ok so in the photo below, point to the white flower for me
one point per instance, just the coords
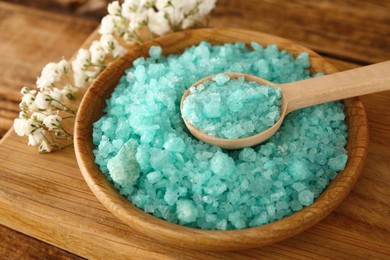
(98, 54)
(112, 24)
(57, 94)
(206, 6)
(45, 147)
(49, 75)
(82, 60)
(36, 137)
(20, 126)
(23, 114)
(129, 8)
(63, 66)
(139, 19)
(91, 74)
(107, 42)
(119, 51)
(175, 16)
(80, 78)
(162, 4)
(42, 100)
(188, 22)
(79, 65)
(184, 6)
(68, 91)
(52, 122)
(32, 125)
(24, 90)
(111, 45)
(107, 25)
(158, 24)
(28, 99)
(114, 8)
(36, 116)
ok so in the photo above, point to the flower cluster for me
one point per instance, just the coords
(89, 63)
(157, 16)
(43, 110)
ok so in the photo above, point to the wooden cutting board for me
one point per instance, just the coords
(46, 197)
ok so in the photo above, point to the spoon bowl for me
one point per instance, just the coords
(301, 94)
(241, 142)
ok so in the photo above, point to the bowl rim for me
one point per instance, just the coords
(216, 240)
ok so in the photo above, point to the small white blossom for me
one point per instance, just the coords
(23, 114)
(42, 101)
(139, 20)
(45, 147)
(119, 51)
(111, 45)
(57, 94)
(157, 24)
(20, 126)
(130, 7)
(184, 6)
(24, 90)
(28, 99)
(112, 24)
(68, 91)
(36, 137)
(206, 6)
(79, 65)
(36, 116)
(107, 25)
(188, 23)
(52, 122)
(80, 78)
(114, 8)
(63, 66)
(162, 4)
(32, 125)
(49, 76)
(98, 54)
(93, 73)
(82, 60)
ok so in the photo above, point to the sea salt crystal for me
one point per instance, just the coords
(187, 211)
(306, 197)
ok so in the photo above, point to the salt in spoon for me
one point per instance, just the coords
(301, 94)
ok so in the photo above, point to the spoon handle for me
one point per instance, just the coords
(350, 83)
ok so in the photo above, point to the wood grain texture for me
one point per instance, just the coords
(90, 8)
(357, 82)
(350, 30)
(15, 245)
(358, 229)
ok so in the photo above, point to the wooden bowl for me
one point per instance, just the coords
(91, 109)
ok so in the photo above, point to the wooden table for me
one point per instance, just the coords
(348, 33)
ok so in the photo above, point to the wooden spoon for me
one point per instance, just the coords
(301, 94)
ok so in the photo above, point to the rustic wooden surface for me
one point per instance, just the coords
(350, 31)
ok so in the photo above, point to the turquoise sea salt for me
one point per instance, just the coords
(232, 108)
(143, 147)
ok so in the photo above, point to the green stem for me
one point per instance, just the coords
(67, 109)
